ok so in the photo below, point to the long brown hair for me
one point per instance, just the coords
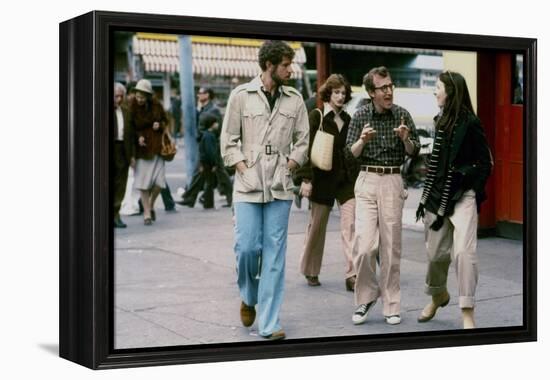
(458, 99)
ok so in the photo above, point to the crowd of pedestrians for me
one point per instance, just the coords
(266, 137)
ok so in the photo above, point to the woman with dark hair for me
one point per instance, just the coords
(148, 119)
(323, 187)
(460, 164)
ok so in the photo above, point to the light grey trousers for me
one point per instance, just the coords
(455, 241)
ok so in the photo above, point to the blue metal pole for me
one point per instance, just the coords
(187, 88)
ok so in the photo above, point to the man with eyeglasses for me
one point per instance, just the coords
(380, 135)
(205, 104)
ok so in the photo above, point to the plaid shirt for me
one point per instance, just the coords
(385, 149)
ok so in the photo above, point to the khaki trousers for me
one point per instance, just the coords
(455, 241)
(314, 245)
(379, 209)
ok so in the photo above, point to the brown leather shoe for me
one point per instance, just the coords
(440, 300)
(313, 280)
(350, 283)
(248, 314)
(277, 335)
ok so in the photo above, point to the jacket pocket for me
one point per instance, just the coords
(247, 181)
(287, 119)
(282, 179)
(289, 114)
(252, 118)
(252, 113)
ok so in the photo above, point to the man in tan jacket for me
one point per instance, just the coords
(265, 136)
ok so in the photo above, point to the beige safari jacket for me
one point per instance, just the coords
(264, 140)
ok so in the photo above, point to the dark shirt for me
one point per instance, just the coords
(386, 148)
(208, 149)
(272, 99)
(210, 109)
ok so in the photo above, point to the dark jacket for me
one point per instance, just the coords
(209, 150)
(128, 133)
(337, 183)
(470, 159)
(141, 120)
(213, 110)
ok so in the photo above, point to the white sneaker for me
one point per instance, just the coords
(180, 191)
(361, 313)
(393, 319)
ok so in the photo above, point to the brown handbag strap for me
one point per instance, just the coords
(166, 134)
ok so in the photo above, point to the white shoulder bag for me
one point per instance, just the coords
(321, 150)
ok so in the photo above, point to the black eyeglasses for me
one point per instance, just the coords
(386, 88)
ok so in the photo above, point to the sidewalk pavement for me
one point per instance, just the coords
(175, 282)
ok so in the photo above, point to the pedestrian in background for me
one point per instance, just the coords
(206, 109)
(148, 120)
(205, 105)
(381, 133)
(123, 150)
(265, 136)
(459, 167)
(323, 187)
(135, 206)
(175, 111)
(209, 159)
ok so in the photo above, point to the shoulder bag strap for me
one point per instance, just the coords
(321, 121)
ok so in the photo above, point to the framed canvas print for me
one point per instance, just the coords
(199, 223)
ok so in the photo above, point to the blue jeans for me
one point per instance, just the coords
(261, 231)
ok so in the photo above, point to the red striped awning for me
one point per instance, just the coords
(213, 56)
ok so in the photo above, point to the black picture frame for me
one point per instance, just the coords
(86, 239)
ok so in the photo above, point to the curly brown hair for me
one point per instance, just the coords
(274, 51)
(332, 82)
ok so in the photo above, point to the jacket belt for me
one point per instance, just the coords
(266, 149)
(381, 169)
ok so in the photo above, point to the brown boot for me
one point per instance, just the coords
(438, 300)
(468, 318)
(277, 335)
(313, 280)
(248, 314)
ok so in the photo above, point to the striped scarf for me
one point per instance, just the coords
(432, 172)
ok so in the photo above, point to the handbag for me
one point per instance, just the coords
(322, 148)
(168, 148)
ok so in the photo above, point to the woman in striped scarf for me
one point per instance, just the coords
(455, 187)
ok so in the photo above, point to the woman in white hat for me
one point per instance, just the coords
(148, 120)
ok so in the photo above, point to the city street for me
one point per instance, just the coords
(175, 282)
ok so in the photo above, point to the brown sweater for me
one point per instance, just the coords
(141, 120)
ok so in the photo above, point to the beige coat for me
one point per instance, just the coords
(250, 130)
